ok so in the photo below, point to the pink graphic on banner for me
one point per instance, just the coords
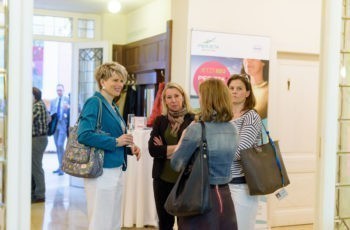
(210, 69)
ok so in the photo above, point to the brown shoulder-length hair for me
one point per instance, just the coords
(186, 100)
(37, 94)
(250, 100)
(215, 101)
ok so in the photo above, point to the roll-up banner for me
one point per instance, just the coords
(220, 55)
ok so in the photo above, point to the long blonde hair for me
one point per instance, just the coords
(215, 101)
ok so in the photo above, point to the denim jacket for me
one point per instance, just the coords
(222, 140)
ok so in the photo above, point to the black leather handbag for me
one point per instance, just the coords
(191, 193)
(263, 168)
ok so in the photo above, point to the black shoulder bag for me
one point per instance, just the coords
(191, 194)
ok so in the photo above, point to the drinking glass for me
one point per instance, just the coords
(130, 125)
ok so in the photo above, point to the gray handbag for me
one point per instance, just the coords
(264, 168)
(80, 160)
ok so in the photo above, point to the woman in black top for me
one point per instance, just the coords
(167, 130)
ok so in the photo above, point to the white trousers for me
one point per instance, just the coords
(246, 206)
(104, 200)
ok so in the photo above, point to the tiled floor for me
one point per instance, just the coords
(65, 206)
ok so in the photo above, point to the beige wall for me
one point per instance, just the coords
(180, 47)
(293, 26)
(114, 28)
(148, 21)
(144, 22)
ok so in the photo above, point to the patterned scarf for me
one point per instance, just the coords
(176, 118)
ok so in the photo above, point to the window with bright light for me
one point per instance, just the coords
(86, 28)
(52, 26)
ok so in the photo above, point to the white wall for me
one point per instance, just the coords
(293, 26)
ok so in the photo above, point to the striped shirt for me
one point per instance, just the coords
(249, 129)
(40, 119)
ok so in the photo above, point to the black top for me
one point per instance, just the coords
(159, 152)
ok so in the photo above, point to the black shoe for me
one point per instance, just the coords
(56, 171)
(38, 200)
(60, 173)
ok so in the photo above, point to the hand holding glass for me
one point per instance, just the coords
(130, 125)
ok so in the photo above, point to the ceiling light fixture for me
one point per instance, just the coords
(114, 6)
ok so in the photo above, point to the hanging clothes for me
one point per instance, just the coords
(157, 106)
(130, 101)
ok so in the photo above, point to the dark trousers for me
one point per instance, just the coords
(38, 179)
(161, 190)
(222, 216)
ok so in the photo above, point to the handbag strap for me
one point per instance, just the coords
(99, 116)
(279, 165)
(204, 138)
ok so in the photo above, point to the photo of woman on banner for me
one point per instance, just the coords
(258, 71)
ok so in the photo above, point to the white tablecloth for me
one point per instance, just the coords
(138, 206)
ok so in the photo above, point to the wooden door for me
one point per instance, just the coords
(297, 127)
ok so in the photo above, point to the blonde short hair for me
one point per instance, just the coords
(106, 70)
(186, 100)
(215, 101)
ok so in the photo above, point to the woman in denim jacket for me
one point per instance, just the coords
(222, 139)
(104, 194)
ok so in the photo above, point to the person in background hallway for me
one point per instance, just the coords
(222, 139)
(258, 70)
(248, 123)
(60, 105)
(104, 194)
(167, 129)
(39, 143)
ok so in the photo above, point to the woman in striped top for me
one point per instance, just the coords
(248, 124)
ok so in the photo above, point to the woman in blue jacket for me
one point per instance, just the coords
(104, 194)
(222, 141)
